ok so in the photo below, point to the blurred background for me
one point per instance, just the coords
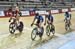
(29, 8)
(37, 4)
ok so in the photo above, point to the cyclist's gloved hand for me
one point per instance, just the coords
(32, 24)
(9, 20)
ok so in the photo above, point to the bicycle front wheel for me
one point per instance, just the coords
(33, 33)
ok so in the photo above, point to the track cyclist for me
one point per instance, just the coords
(67, 20)
(50, 27)
(15, 24)
(16, 14)
(39, 21)
(67, 17)
(49, 19)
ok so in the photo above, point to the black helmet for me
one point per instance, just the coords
(37, 14)
(66, 12)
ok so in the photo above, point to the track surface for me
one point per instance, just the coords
(23, 41)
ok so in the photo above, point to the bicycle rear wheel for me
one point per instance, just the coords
(20, 27)
(52, 29)
(41, 33)
(48, 30)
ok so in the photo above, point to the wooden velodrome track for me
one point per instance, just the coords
(7, 41)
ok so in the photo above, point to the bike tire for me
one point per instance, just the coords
(21, 26)
(12, 28)
(53, 29)
(48, 30)
(34, 32)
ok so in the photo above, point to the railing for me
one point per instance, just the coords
(28, 5)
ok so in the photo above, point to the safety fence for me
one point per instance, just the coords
(32, 13)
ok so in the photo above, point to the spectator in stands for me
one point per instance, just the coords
(43, 2)
(23, 0)
(32, 9)
(62, 2)
(50, 0)
(45, 6)
(4, 0)
(35, 8)
(55, 0)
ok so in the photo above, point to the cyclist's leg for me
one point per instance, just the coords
(10, 19)
(65, 21)
(50, 23)
(70, 22)
(17, 20)
(39, 25)
(52, 26)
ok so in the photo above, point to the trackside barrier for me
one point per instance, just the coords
(2, 13)
(32, 13)
(25, 13)
(54, 11)
(72, 9)
(64, 10)
(41, 12)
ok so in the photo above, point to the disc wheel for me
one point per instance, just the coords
(12, 28)
(20, 27)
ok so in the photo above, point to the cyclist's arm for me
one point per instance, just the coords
(45, 20)
(34, 20)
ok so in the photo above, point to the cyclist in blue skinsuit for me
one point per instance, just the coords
(39, 19)
(49, 19)
(67, 17)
